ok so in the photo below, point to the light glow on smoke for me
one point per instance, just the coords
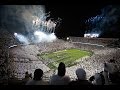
(15, 34)
(38, 37)
(43, 37)
(21, 38)
(93, 35)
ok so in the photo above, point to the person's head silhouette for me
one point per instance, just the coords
(81, 74)
(61, 69)
(38, 74)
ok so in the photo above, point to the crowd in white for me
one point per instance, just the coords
(24, 58)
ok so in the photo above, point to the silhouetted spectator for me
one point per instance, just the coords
(37, 80)
(113, 72)
(27, 78)
(112, 61)
(26, 75)
(30, 75)
(106, 77)
(81, 75)
(60, 78)
(109, 76)
(97, 79)
(111, 67)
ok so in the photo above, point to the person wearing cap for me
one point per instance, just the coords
(81, 78)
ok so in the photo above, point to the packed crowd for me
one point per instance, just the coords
(56, 45)
(26, 57)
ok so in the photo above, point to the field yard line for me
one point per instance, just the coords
(60, 51)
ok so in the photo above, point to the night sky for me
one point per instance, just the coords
(73, 18)
(74, 15)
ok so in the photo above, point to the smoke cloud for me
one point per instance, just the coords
(24, 20)
(107, 21)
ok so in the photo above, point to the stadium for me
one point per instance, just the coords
(26, 58)
(36, 45)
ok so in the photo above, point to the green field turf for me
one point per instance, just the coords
(68, 56)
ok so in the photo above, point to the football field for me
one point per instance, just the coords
(67, 56)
